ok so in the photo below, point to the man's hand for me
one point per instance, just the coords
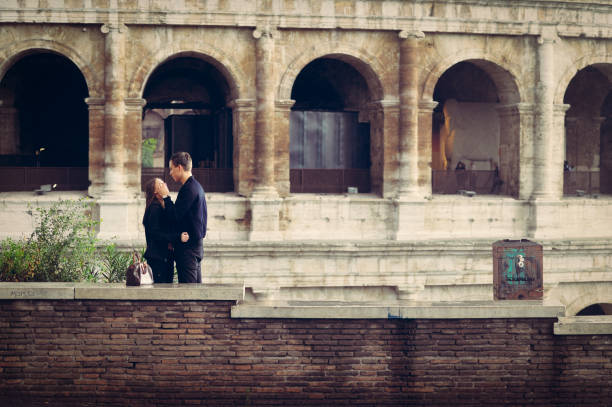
(184, 237)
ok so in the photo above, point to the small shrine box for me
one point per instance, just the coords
(517, 270)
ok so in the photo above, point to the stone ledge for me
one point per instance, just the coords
(400, 310)
(118, 291)
(586, 325)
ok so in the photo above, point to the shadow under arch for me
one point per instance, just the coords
(10, 55)
(367, 65)
(598, 294)
(504, 77)
(229, 69)
(601, 61)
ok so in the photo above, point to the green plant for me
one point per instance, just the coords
(148, 148)
(17, 261)
(114, 264)
(61, 247)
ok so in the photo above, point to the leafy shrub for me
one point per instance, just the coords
(62, 247)
(114, 264)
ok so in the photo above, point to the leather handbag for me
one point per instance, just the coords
(139, 272)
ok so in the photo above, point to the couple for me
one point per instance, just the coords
(174, 231)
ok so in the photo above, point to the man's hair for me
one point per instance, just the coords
(181, 158)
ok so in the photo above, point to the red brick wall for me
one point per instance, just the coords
(167, 353)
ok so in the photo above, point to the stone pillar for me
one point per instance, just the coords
(133, 144)
(264, 115)
(243, 125)
(9, 131)
(545, 186)
(264, 201)
(383, 116)
(411, 208)
(96, 146)
(114, 111)
(283, 139)
(510, 146)
(409, 113)
(117, 207)
(426, 108)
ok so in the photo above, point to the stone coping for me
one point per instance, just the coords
(584, 325)
(119, 291)
(398, 310)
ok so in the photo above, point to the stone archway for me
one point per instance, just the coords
(366, 64)
(234, 76)
(45, 136)
(13, 53)
(505, 107)
(588, 124)
(504, 75)
(369, 69)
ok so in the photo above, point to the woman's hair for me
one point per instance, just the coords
(150, 191)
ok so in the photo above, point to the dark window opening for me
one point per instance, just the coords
(329, 146)
(588, 132)
(186, 111)
(45, 123)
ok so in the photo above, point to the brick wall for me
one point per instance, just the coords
(167, 353)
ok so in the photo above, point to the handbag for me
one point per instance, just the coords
(139, 272)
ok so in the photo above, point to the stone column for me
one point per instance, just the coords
(264, 115)
(545, 186)
(411, 208)
(114, 110)
(409, 113)
(510, 145)
(117, 208)
(426, 108)
(243, 125)
(282, 141)
(96, 146)
(133, 144)
(264, 201)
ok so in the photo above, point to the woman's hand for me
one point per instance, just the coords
(184, 237)
(163, 190)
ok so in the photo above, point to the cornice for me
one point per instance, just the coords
(572, 18)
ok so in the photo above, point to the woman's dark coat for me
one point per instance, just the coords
(159, 229)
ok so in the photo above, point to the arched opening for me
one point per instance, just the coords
(467, 134)
(329, 144)
(44, 137)
(596, 309)
(187, 110)
(588, 132)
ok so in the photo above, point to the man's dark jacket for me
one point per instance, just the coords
(190, 212)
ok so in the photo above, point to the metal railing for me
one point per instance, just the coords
(331, 181)
(451, 182)
(212, 179)
(31, 178)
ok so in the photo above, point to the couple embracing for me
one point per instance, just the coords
(174, 231)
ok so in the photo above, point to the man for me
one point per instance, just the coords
(191, 217)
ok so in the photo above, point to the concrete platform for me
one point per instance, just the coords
(584, 325)
(119, 291)
(398, 310)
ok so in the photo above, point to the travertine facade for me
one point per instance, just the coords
(429, 246)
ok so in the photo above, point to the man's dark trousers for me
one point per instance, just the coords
(188, 262)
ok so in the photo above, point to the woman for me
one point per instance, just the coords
(159, 231)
